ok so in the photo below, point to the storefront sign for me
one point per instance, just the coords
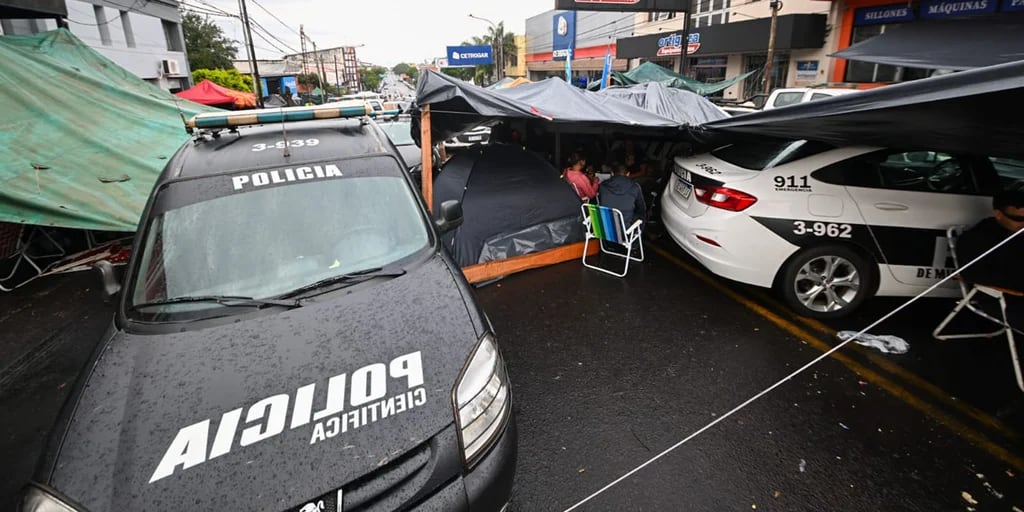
(671, 44)
(1013, 5)
(692, 43)
(563, 35)
(468, 56)
(956, 8)
(625, 5)
(894, 13)
(806, 71)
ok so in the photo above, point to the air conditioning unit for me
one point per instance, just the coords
(170, 67)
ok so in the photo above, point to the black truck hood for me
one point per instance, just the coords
(227, 417)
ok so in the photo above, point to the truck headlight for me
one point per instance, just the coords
(38, 499)
(481, 400)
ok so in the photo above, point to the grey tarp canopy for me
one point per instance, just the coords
(457, 106)
(971, 112)
(947, 44)
(684, 107)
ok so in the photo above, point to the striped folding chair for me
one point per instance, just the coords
(968, 293)
(607, 226)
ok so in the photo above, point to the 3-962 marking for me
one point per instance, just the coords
(822, 229)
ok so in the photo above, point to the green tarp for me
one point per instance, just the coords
(82, 140)
(651, 72)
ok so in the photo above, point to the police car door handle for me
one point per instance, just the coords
(892, 207)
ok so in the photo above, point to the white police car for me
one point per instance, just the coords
(828, 227)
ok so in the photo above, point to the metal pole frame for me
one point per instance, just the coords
(252, 52)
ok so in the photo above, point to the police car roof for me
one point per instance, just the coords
(255, 147)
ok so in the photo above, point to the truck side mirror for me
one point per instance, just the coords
(111, 286)
(450, 216)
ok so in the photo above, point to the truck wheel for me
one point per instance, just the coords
(826, 282)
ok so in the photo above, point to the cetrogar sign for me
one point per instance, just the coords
(468, 56)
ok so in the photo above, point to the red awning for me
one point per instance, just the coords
(209, 93)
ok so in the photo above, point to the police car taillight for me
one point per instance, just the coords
(724, 198)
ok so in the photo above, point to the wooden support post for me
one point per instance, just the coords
(494, 269)
(427, 154)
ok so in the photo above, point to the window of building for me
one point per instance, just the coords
(754, 84)
(129, 35)
(660, 16)
(708, 70)
(172, 34)
(857, 71)
(102, 24)
(709, 12)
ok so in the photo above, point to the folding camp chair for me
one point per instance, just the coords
(607, 226)
(968, 292)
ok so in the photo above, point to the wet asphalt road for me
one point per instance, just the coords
(609, 372)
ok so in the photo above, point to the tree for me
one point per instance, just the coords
(401, 68)
(370, 77)
(229, 78)
(309, 80)
(506, 40)
(206, 44)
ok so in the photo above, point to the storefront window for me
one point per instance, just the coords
(754, 84)
(708, 70)
(857, 71)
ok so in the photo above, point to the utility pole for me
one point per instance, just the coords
(252, 53)
(248, 55)
(775, 5)
(500, 39)
(302, 42)
(337, 81)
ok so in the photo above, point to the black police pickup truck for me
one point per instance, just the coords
(290, 336)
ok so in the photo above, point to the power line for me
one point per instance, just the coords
(275, 17)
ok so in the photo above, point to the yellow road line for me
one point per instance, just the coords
(955, 425)
(912, 378)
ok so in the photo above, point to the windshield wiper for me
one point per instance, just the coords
(345, 279)
(223, 300)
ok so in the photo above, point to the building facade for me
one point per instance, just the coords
(860, 20)
(338, 66)
(515, 65)
(726, 38)
(587, 35)
(144, 37)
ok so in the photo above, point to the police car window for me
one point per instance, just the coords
(1010, 172)
(265, 242)
(820, 96)
(763, 154)
(914, 171)
(785, 99)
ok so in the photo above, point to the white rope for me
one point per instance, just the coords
(790, 376)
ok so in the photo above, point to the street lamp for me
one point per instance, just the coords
(501, 44)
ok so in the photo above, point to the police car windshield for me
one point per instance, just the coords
(765, 154)
(262, 234)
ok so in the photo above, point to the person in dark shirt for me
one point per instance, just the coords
(624, 194)
(1002, 268)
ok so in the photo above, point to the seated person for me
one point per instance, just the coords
(585, 185)
(622, 193)
(1002, 268)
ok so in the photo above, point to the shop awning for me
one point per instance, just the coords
(970, 112)
(947, 44)
(209, 93)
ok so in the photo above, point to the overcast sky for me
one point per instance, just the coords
(392, 31)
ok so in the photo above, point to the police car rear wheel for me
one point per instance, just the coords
(826, 282)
